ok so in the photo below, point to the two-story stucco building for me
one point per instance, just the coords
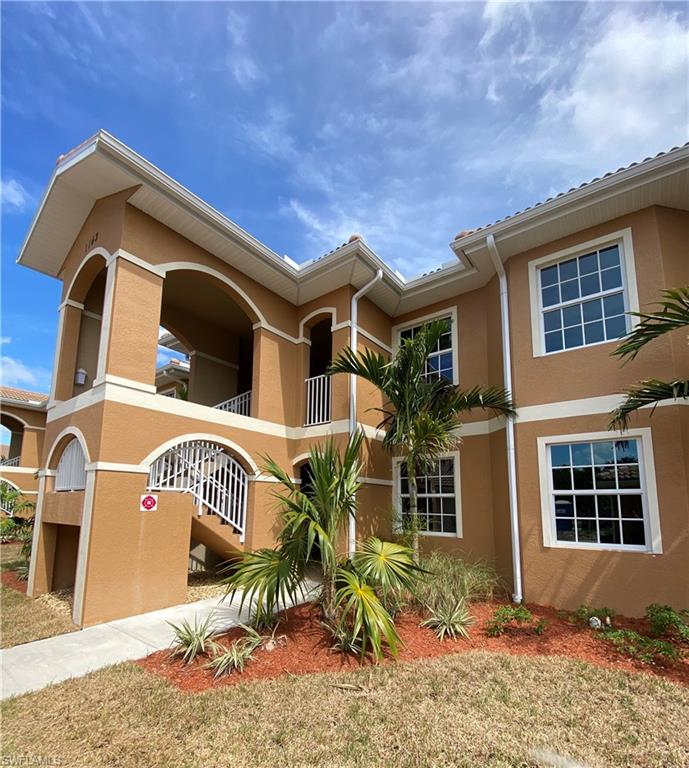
(568, 511)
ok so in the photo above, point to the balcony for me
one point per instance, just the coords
(317, 400)
(241, 404)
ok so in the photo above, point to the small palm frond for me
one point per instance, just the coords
(648, 392)
(364, 616)
(673, 314)
(386, 565)
(490, 398)
(270, 578)
(369, 365)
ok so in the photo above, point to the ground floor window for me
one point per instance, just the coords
(438, 496)
(595, 492)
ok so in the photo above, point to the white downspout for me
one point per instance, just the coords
(353, 338)
(509, 431)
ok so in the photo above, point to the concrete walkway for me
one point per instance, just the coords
(33, 666)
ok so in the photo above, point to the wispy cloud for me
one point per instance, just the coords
(15, 373)
(15, 197)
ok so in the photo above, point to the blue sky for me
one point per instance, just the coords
(307, 122)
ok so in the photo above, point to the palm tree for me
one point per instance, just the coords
(354, 592)
(422, 413)
(673, 314)
(13, 502)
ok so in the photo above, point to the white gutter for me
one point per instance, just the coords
(353, 340)
(509, 430)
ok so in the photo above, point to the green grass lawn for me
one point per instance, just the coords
(471, 709)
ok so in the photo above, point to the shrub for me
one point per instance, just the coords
(22, 570)
(448, 579)
(648, 649)
(665, 620)
(191, 641)
(506, 615)
(584, 614)
(234, 658)
(540, 627)
(450, 619)
(8, 529)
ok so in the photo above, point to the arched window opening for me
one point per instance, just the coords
(318, 382)
(13, 437)
(206, 354)
(71, 469)
(88, 345)
(215, 479)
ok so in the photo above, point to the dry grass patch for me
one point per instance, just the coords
(202, 584)
(473, 709)
(25, 619)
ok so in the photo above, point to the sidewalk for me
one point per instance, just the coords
(33, 666)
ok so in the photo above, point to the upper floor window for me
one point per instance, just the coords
(596, 493)
(441, 362)
(582, 296)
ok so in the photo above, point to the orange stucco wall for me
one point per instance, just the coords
(137, 561)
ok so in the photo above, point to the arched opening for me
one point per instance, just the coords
(217, 481)
(206, 354)
(71, 468)
(12, 439)
(88, 289)
(318, 390)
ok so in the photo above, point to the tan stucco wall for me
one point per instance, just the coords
(625, 581)
(137, 560)
(590, 371)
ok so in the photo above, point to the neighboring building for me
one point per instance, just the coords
(23, 413)
(602, 520)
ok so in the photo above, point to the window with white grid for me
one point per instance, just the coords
(583, 300)
(439, 363)
(597, 493)
(437, 497)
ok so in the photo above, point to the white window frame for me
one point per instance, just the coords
(451, 313)
(397, 497)
(623, 239)
(649, 491)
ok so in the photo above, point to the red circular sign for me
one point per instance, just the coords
(148, 502)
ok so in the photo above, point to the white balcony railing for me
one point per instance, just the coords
(317, 400)
(240, 404)
(10, 462)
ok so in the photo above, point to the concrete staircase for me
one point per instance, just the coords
(220, 538)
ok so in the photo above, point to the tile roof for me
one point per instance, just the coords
(467, 232)
(22, 395)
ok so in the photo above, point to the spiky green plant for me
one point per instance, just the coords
(234, 658)
(422, 413)
(191, 641)
(315, 517)
(450, 619)
(388, 565)
(672, 315)
(363, 615)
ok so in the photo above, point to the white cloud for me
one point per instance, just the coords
(15, 197)
(629, 94)
(15, 373)
(5, 340)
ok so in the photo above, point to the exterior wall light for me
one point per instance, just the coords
(80, 377)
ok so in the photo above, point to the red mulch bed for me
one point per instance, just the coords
(9, 579)
(306, 648)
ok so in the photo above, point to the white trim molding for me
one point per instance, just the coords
(622, 238)
(206, 437)
(83, 550)
(120, 381)
(649, 492)
(74, 432)
(451, 312)
(397, 500)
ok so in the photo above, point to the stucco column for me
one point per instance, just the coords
(131, 318)
(276, 369)
(339, 383)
